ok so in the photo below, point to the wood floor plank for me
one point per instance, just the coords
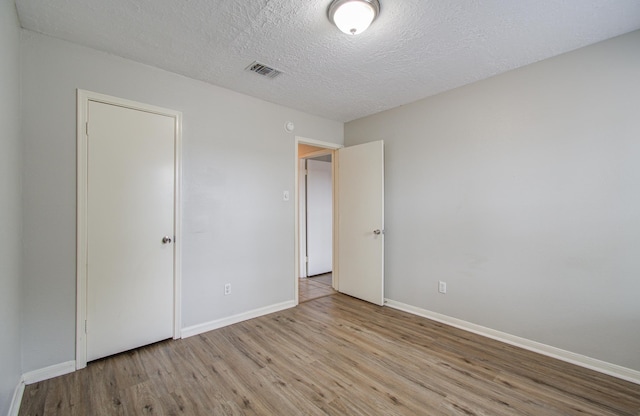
(333, 355)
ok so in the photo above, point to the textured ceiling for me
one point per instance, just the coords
(416, 48)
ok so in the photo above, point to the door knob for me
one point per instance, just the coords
(378, 232)
(166, 239)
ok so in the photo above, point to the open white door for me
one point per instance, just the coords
(361, 221)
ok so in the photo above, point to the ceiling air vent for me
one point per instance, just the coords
(263, 70)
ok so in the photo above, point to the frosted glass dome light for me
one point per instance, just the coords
(353, 16)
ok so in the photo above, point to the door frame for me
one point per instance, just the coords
(330, 149)
(83, 99)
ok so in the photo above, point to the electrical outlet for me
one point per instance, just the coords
(442, 287)
(227, 289)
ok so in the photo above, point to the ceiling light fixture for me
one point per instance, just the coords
(353, 16)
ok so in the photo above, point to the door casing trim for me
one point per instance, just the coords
(83, 99)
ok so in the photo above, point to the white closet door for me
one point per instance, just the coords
(130, 206)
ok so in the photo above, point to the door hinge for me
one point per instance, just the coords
(306, 259)
(86, 128)
(85, 326)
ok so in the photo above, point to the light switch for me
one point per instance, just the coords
(285, 195)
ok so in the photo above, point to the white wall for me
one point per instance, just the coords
(522, 192)
(10, 203)
(237, 160)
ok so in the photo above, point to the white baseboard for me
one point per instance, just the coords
(49, 372)
(14, 408)
(568, 356)
(36, 376)
(219, 323)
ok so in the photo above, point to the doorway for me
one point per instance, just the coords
(314, 219)
(315, 201)
(358, 217)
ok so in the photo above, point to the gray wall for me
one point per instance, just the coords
(237, 160)
(10, 203)
(522, 192)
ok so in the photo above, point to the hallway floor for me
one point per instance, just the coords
(315, 287)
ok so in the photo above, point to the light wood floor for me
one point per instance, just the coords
(333, 355)
(315, 287)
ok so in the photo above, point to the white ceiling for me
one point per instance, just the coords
(416, 48)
